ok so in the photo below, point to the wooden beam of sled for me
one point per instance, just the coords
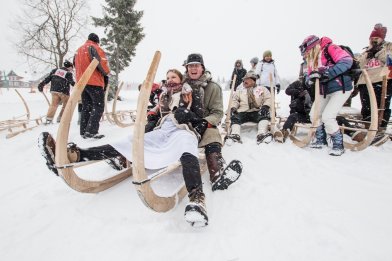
(371, 132)
(228, 111)
(68, 173)
(145, 192)
(115, 115)
(272, 109)
(106, 112)
(24, 104)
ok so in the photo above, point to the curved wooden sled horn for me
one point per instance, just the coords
(140, 179)
(372, 131)
(66, 170)
(116, 114)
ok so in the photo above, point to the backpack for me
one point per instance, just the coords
(355, 71)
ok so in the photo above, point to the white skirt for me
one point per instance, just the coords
(162, 147)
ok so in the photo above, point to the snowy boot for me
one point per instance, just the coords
(117, 163)
(48, 121)
(195, 210)
(234, 136)
(337, 144)
(278, 136)
(379, 139)
(222, 176)
(264, 138)
(47, 146)
(321, 138)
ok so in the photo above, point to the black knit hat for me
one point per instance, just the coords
(67, 64)
(194, 58)
(93, 37)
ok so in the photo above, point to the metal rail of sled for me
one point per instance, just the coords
(140, 178)
(370, 133)
(66, 169)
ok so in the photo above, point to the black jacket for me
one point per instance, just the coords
(60, 79)
(300, 98)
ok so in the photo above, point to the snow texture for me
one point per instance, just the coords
(289, 203)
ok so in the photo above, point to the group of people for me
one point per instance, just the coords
(190, 108)
(92, 101)
(332, 65)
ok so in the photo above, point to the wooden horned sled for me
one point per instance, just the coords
(21, 123)
(121, 118)
(369, 128)
(142, 181)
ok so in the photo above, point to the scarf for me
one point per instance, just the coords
(251, 98)
(165, 98)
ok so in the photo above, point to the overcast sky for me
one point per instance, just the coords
(226, 30)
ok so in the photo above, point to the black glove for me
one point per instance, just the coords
(152, 120)
(277, 88)
(41, 87)
(200, 127)
(264, 112)
(323, 77)
(105, 82)
(233, 111)
(184, 116)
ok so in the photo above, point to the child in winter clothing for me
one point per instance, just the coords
(266, 67)
(300, 106)
(240, 71)
(335, 87)
(251, 103)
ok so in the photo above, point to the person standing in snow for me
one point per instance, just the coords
(93, 95)
(375, 57)
(335, 87)
(251, 103)
(253, 63)
(239, 71)
(266, 67)
(60, 79)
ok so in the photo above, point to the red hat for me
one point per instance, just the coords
(379, 31)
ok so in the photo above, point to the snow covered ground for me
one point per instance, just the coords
(289, 204)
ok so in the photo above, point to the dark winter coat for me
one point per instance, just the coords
(300, 98)
(213, 106)
(60, 79)
(240, 72)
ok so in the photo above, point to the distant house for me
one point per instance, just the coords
(13, 80)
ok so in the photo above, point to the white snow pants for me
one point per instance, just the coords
(329, 109)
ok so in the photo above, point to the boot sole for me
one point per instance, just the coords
(230, 175)
(47, 152)
(195, 216)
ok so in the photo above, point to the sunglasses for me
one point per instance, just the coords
(303, 47)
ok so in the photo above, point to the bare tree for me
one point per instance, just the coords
(48, 28)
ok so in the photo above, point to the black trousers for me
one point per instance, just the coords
(365, 101)
(92, 109)
(242, 117)
(294, 118)
(190, 163)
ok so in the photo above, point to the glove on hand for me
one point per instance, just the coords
(264, 112)
(40, 87)
(233, 111)
(184, 116)
(277, 88)
(200, 127)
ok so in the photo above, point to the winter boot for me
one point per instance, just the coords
(96, 136)
(321, 138)
(195, 210)
(234, 134)
(48, 121)
(264, 138)
(286, 134)
(222, 177)
(337, 144)
(379, 139)
(278, 136)
(47, 147)
(117, 163)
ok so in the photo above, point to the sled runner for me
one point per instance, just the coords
(370, 132)
(65, 168)
(106, 113)
(141, 180)
(119, 116)
(21, 121)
